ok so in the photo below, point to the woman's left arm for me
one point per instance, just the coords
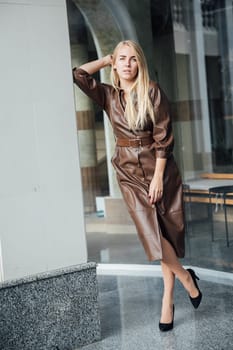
(164, 142)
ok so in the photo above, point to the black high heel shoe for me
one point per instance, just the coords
(164, 327)
(197, 300)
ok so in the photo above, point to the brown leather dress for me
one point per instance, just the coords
(135, 166)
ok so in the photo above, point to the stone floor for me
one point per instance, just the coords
(130, 311)
(130, 303)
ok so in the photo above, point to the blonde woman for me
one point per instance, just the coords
(146, 171)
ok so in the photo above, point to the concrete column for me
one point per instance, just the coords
(199, 88)
(41, 199)
(86, 134)
(48, 284)
(225, 20)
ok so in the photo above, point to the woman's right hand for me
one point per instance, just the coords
(108, 60)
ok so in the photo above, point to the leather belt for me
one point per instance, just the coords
(138, 142)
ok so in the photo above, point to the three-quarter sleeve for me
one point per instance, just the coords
(91, 87)
(162, 131)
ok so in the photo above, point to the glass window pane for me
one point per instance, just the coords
(188, 46)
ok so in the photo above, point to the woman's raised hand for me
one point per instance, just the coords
(108, 60)
(94, 66)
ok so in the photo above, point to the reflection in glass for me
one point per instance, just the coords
(189, 48)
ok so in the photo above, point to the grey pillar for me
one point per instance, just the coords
(49, 296)
(199, 87)
(225, 21)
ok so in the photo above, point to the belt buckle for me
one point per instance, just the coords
(133, 142)
(138, 142)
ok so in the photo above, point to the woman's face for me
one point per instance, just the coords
(126, 64)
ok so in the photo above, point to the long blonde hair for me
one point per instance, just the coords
(138, 106)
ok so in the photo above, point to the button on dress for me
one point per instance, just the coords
(135, 166)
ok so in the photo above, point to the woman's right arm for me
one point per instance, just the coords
(94, 66)
(86, 82)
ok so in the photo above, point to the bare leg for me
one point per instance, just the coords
(172, 263)
(172, 267)
(167, 304)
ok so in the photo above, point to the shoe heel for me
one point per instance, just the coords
(195, 301)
